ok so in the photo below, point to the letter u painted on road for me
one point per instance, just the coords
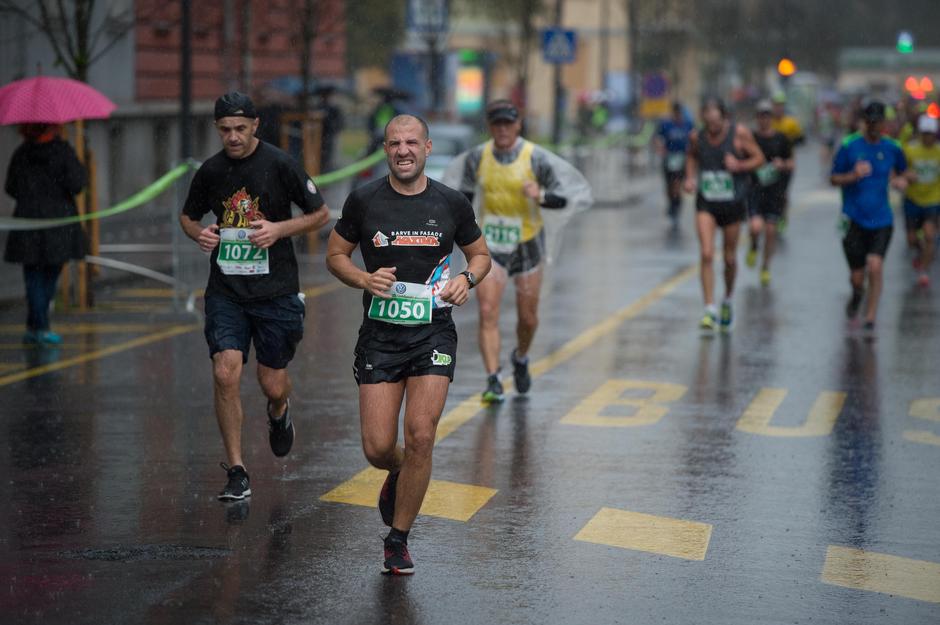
(929, 410)
(647, 409)
(819, 422)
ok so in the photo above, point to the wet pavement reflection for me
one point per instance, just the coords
(782, 473)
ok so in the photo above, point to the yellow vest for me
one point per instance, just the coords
(789, 127)
(502, 190)
(926, 162)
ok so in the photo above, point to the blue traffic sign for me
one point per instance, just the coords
(558, 45)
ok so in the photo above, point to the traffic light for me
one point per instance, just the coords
(905, 43)
(918, 88)
(786, 67)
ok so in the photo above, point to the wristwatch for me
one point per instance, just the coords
(471, 279)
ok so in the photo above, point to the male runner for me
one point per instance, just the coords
(768, 191)
(516, 182)
(922, 200)
(721, 157)
(406, 226)
(672, 141)
(864, 167)
(791, 128)
(252, 296)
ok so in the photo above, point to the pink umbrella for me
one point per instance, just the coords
(50, 100)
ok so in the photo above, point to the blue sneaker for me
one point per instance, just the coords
(726, 317)
(48, 337)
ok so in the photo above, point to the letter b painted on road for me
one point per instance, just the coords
(648, 409)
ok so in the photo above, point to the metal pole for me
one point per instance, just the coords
(186, 79)
(559, 113)
(633, 27)
(186, 136)
(605, 42)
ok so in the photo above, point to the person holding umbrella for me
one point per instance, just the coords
(44, 176)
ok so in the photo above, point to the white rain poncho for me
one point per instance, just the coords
(569, 183)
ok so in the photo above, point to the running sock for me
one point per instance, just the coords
(517, 360)
(711, 308)
(398, 535)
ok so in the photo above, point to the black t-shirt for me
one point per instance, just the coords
(260, 186)
(413, 233)
(775, 146)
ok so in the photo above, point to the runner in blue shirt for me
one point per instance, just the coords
(865, 165)
(672, 142)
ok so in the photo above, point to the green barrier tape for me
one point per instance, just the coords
(638, 140)
(350, 170)
(141, 197)
(150, 192)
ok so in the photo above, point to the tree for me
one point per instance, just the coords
(374, 28)
(77, 38)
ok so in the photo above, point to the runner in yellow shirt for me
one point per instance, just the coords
(922, 199)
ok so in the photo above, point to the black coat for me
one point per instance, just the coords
(44, 178)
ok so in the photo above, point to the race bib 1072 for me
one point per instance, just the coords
(238, 256)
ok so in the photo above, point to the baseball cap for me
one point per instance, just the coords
(501, 111)
(928, 124)
(234, 104)
(764, 106)
(874, 111)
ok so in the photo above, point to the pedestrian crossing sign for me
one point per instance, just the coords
(559, 45)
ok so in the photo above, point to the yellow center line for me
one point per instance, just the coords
(77, 328)
(95, 355)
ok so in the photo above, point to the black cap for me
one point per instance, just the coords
(501, 111)
(234, 104)
(874, 111)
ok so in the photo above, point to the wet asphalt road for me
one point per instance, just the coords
(783, 473)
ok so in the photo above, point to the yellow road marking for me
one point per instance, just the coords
(880, 572)
(928, 408)
(95, 355)
(820, 421)
(9, 366)
(449, 500)
(645, 532)
(922, 436)
(329, 287)
(469, 407)
(86, 328)
(364, 488)
(647, 410)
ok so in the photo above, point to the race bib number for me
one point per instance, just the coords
(717, 186)
(767, 174)
(409, 304)
(675, 161)
(503, 234)
(927, 171)
(238, 256)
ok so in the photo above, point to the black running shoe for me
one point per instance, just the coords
(494, 390)
(387, 498)
(520, 374)
(397, 559)
(854, 303)
(237, 487)
(280, 432)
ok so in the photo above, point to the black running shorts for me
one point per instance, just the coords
(275, 326)
(387, 352)
(725, 213)
(860, 242)
(525, 258)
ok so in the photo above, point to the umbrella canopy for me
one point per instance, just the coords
(51, 100)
